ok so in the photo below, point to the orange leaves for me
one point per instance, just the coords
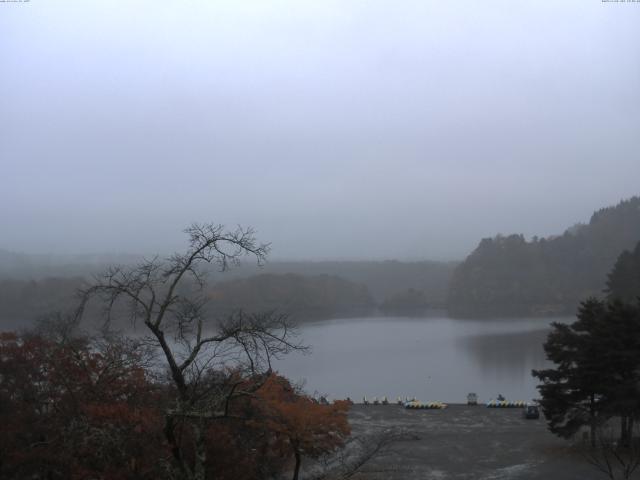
(89, 410)
(75, 410)
(307, 425)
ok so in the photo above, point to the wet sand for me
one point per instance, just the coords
(467, 442)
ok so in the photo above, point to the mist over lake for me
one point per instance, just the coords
(434, 359)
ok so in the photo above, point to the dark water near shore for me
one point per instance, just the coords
(433, 359)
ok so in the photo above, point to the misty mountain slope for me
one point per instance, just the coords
(508, 275)
(24, 301)
(34, 285)
(384, 279)
(23, 266)
(305, 298)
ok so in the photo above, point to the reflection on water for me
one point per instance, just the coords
(506, 356)
(430, 358)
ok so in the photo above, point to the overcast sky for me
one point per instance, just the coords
(338, 129)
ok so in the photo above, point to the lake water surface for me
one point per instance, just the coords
(433, 359)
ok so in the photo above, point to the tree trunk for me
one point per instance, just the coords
(592, 413)
(296, 470)
(199, 471)
(624, 430)
(182, 470)
(626, 434)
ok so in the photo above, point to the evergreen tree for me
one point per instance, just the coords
(597, 373)
(623, 282)
(508, 275)
(619, 337)
(573, 392)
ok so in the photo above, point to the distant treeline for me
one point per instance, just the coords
(508, 275)
(306, 290)
(383, 279)
(504, 275)
(303, 297)
(22, 266)
(24, 301)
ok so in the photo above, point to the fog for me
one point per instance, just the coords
(338, 129)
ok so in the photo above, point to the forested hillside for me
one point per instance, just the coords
(23, 301)
(504, 275)
(305, 298)
(34, 285)
(623, 282)
(512, 276)
(22, 266)
(384, 279)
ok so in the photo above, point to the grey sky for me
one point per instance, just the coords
(338, 129)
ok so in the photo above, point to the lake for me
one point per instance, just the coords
(433, 359)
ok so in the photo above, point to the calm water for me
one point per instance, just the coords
(433, 359)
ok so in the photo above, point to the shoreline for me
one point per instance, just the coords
(465, 442)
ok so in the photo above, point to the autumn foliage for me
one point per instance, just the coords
(87, 409)
(300, 426)
(75, 410)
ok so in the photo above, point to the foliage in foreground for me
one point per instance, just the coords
(597, 360)
(90, 408)
(597, 370)
(77, 409)
(193, 398)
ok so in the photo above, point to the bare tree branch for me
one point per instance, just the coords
(170, 297)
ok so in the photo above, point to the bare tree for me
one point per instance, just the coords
(612, 458)
(359, 452)
(210, 362)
